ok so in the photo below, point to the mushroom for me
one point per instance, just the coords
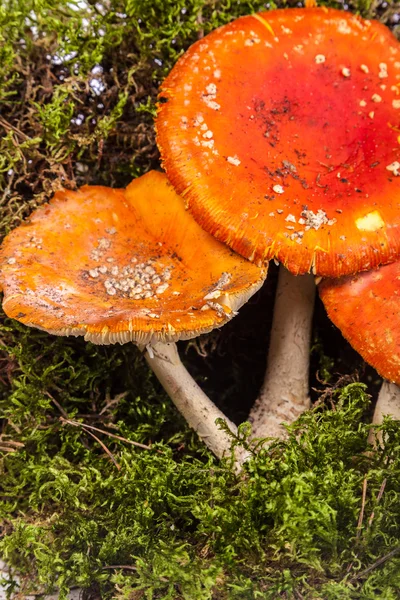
(365, 307)
(128, 265)
(279, 129)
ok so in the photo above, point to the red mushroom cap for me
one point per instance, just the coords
(281, 130)
(117, 266)
(366, 308)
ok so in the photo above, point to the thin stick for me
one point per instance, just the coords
(58, 405)
(12, 443)
(127, 567)
(7, 449)
(112, 435)
(112, 402)
(361, 517)
(105, 449)
(376, 564)
(378, 499)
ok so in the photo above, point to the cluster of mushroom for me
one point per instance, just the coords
(128, 265)
(281, 130)
(280, 133)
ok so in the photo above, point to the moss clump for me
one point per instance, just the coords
(78, 83)
(168, 521)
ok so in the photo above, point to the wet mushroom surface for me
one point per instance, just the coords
(281, 131)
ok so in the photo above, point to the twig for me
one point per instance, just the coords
(117, 437)
(361, 517)
(12, 443)
(112, 402)
(378, 498)
(7, 449)
(376, 564)
(8, 127)
(200, 21)
(105, 449)
(57, 404)
(360, 520)
(127, 567)
(10, 446)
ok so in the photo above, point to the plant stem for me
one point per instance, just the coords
(285, 392)
(388, 403)
(199, 411)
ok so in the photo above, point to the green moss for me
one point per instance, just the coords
(183, 525)
(166, 521)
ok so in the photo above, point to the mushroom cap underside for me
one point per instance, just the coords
(122, 265)
(282, 132)
(366, 308)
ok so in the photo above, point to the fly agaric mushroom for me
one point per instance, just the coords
(280, 130)
(118, 266)
(365, 307)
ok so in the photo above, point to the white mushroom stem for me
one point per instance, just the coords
(388, 403)
(198, 410)
(285, 392)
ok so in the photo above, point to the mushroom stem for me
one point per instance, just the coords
(285, 392)
(388, 403)
(199, 411)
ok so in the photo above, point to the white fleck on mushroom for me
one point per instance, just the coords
(383, 72)
(233, 160)
(376, 98)
(161, 288)
(319, 59)
(394, 168)
(315, 220)
(346, 72)
(278, 189)
(370, 222)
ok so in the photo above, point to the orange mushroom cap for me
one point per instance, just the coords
(365, 307)
(117, 265)
(282, 132)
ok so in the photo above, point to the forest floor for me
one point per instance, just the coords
(314, 517)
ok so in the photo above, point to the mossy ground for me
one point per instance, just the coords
(315, 517)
